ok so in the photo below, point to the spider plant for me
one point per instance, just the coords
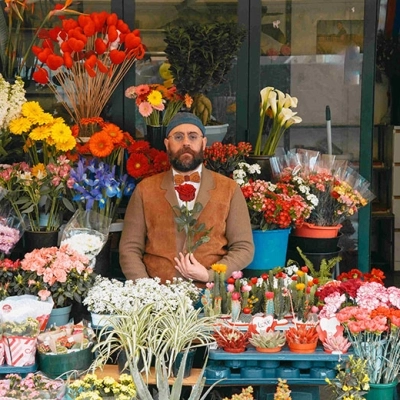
(159, 336)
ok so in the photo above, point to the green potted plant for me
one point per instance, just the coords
(200, 56)
(148, 332)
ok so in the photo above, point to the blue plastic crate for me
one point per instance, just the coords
(23, 371)
(298, 392)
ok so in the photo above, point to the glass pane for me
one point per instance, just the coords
(151, 17)
(313, 50)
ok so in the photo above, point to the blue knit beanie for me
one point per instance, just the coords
(185, 118)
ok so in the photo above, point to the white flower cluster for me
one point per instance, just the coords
(245, 172)
(85, 241)
(107, 295)
(11, 99)
(304, 190)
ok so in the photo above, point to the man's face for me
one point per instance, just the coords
(185, 145)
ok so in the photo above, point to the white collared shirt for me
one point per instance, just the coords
(190, 205)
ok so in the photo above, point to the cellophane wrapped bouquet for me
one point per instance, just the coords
(335, 189)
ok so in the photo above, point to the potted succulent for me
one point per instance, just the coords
(200, 56)
(268, 342)
(231, 339)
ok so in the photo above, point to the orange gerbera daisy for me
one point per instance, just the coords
(101, 144)
(114, 132)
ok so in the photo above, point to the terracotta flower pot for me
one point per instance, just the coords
(302, 347)
(234, 350)
(315, 231)
(269, 349)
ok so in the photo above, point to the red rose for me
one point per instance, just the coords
(186, 192)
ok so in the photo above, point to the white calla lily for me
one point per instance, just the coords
(277, 106)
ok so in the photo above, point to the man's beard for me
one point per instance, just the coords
(187, 165)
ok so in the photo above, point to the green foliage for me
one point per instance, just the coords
(324, 274)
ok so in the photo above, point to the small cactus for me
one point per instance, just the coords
(268, 340)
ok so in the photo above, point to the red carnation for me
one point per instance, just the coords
(186, 192)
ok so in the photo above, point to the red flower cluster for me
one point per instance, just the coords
(84, 41)
(274, 206)
(224, 158)
(145, 161)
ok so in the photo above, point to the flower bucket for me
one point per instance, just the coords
(155, 136)
(270, 251)
(37, 240)
(315, 231)
(59, 316)
(99, 320)
(57, 365)
(382, 391)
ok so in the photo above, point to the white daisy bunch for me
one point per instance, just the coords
(107, 294)
(245, 172)
(12, 96)
(104, 295)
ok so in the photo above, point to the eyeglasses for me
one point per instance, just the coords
(178, 137)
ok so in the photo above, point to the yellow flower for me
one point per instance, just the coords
(300, 286)
(300, 273)
(219, 268)
(39, 171)
(67, 145)
(19, 126)
(155, 98)
(40, 133)
(60, 132)
(31, 109)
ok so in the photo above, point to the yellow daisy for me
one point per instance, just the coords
(42, 118)
(31, 109)
(39, 133)
(66, 145)
(60, 132)
(19, 126)
(154, 98)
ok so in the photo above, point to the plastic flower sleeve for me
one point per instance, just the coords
(11, 230)
(86, 232)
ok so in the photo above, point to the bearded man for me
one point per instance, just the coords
(152, 246)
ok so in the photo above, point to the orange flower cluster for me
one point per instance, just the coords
(145, 161)
(83, 41)
(107, 143)
(224, 158)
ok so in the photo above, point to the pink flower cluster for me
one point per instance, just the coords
(9, 237)
(54, 264)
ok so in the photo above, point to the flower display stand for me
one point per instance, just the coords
(254, 368)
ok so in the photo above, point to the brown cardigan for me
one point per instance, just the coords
(150, 239)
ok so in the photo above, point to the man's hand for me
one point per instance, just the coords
(190, 268)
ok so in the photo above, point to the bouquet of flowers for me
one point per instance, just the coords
(144, 161)
(157, 104)
(277, 106)
(86, 232)
(11, 231)
(335, 190)
(225, 158)
(97, 186)
(62, 273)
(9, 270)
(274, 206)
(94, 52)
(39, 188)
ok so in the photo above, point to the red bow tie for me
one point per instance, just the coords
(194, 177)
